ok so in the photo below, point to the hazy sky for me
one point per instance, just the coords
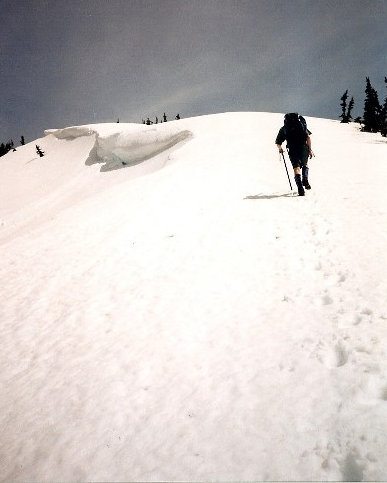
(69, 62)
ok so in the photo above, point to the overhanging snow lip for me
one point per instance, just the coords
(71, 132)
(120, 146)
(136, 151)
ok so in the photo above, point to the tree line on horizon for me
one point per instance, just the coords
(163, 118)
(148, 122)
(9, 146)
(374, 114)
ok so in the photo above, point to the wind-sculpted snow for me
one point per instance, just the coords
(119, 147)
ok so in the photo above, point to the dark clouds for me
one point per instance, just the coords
(81, 61)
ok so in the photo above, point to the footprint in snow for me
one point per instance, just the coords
(375, 387)
(336, 356)
(318, 266)
(341, 277)
(327, 299)
(383, 393)
(351, 469)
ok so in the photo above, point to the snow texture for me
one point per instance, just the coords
(171, 311)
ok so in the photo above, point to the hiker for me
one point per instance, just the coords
(299, 146)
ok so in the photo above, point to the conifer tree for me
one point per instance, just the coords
(343, 105)
(346, 111)
(8, 146)
(372, 109)
(350, 107)
(39, 151)
(383, 128)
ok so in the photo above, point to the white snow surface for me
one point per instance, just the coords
(183, 316)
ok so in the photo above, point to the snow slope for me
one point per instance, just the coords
(182, 316)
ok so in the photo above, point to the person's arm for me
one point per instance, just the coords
(309, 144)
(280, 139)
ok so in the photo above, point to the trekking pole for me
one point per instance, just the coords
(291, 187)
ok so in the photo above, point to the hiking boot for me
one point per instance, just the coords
(305, 181)
(297, 179)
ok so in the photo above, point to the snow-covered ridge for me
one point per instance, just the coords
(120, 145)
(188, 318)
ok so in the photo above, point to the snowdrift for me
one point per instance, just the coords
(171, 311)
(127, 146)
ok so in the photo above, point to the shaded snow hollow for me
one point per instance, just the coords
(170, 311)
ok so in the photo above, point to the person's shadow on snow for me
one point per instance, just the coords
(262, 196)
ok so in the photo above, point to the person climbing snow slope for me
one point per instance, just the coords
(299, 146)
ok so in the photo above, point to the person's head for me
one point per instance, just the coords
(290, 116)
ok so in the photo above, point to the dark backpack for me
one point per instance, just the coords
(296, 131)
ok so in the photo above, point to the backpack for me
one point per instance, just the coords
(295, 130)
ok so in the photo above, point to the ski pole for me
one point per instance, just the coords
(291, 187)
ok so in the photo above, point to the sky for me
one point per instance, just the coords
(74, 62)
